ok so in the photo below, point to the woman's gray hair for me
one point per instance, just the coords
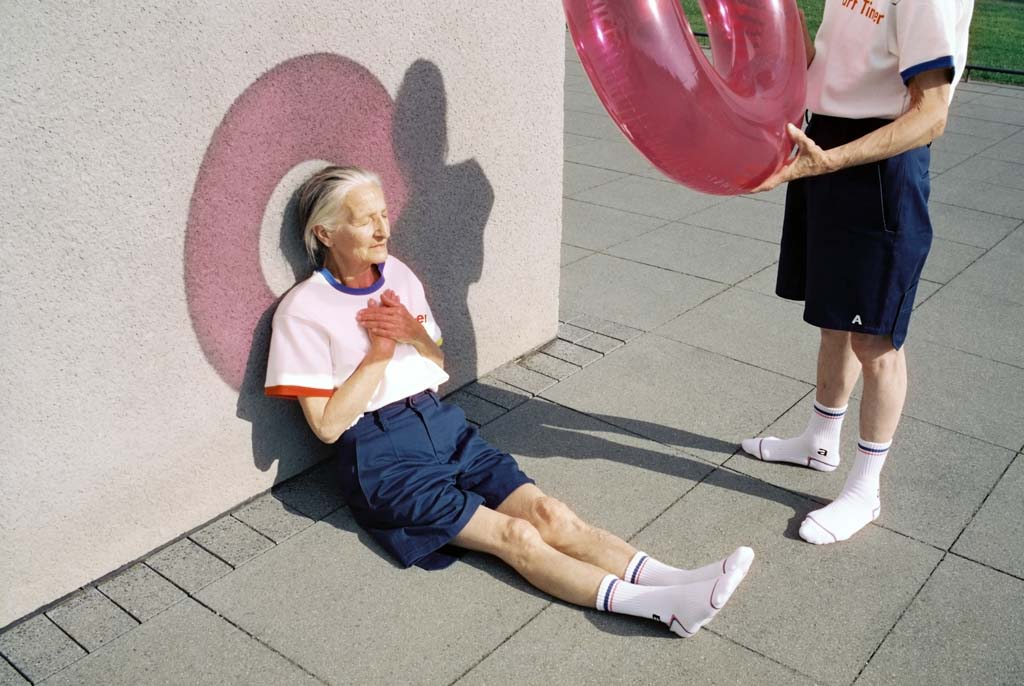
(321, 198)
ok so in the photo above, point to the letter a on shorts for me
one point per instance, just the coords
(856, 320)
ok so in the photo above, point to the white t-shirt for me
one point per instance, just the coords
(867, 50)
(317, 343)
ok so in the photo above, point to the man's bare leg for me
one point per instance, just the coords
(818, 446)
(885, 389)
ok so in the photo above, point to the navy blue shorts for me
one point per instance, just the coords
(415, 471)
(854, 242)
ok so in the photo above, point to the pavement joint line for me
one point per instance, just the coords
(712, 630)
(19, 672)
(63, 631)
(987, 565)
(119, 606)
(968, 352)
(262, 643)
(201, 546)
(975, 209)
(985, 499)
(503, 642)
(246, 525)
(899, 617)
(727, 233)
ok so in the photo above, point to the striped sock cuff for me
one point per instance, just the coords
(829, 412)
(635, 567)
(873, 449)
(606, 593)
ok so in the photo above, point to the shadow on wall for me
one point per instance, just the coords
(326, 107)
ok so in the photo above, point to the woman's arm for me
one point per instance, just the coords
(922, 123)
(394, 321)
(329, 417)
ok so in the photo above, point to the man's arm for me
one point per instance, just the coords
(922, 123)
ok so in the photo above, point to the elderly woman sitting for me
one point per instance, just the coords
(357, 344)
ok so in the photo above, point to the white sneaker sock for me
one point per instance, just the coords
(644, 570)
(817, 447)
(857, 505)
(684, 609)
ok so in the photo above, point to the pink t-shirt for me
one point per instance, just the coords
(317, 343)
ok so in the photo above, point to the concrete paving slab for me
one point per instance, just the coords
(699, 402)
(273, 518)
(141, 591)
(565, 645)
(765, 331)
(971, 227)
(796, 595)
(932, 484)
(637, 295)
(573, 457)
(995, 534)
(498, 392)
(576, 101)
(947, 259)
(570, 254)
(549, 366)
(955, 317)
(570, 333)
(663, 199)
(9, 675)
(601, 343)
(978, 195)
(577, 178)
(762, 282)
(91, 619)
(315, 493)
(596, 228)
(607, 328)
(1007, 152)
(231, 540)
(188, 565)
(477, 410)
(571, 140)
(705, 253)
(977, 127)
(371, 618)
(1002, 99)
(944, 160)
(593, 125)
(522, 378)
(188, 644)
(965, 393)
(997, 172)
(964, 628)
(577, 83)
(616, 154)
(962, 143)
(1002, 115)
(38, 648)
(776, 195)
(750, 217)
(574, 354)
(1000, 273)
(925, 290)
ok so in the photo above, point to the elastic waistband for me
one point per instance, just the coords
(392, 412)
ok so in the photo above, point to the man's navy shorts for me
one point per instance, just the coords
(854, 242)
(415, 471)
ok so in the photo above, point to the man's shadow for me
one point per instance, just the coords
(440, 233)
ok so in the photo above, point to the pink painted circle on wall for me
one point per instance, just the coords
(318, 106)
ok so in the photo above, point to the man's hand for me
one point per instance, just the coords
(810, 160)
(391, 320)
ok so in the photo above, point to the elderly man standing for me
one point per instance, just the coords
(856, 231)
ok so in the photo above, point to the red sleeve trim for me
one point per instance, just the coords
(298, 392)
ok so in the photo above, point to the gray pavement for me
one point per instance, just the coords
(672, 348)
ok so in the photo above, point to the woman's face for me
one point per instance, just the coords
(361, 237)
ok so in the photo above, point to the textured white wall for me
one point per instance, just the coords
(120, 431)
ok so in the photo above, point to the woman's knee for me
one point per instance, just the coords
(555, 519)
(520, 539)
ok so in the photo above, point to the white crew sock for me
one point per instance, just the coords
(857, 505)
(684, 608)
(817, 447)
(644, 570)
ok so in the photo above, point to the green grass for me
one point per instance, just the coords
(997, 34)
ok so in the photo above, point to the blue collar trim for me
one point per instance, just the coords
(372, 288)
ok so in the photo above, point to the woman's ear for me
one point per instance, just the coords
(322, 235)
